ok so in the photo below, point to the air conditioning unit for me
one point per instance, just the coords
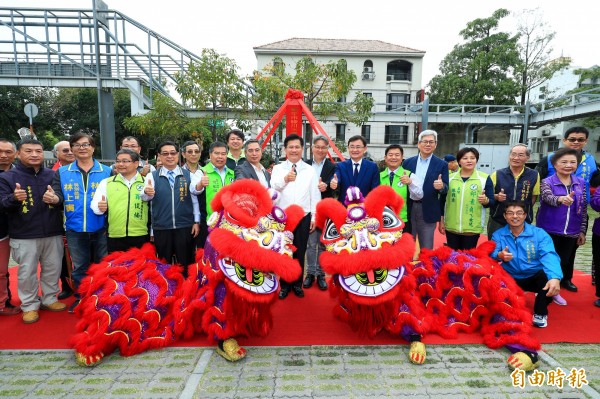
(368, 76)
(546, 132)
(368, 69)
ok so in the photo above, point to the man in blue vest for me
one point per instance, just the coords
(75, 185)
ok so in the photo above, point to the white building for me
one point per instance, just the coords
(548, 138)
(388, 72)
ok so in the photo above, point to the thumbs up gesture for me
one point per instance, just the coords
(49, 196)
(482, 198)
(405, 179)
(149, 190)
(505, 255)
(334, 182)
(103, 204)
(19, 193)
(203, 182)
(291, 176)
(145, 169)
(322, 186)
(501, 196)
(568, 200)
(438, 184)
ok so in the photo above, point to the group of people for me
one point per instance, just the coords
(92, 209)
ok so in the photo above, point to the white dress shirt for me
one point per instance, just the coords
(304, 191)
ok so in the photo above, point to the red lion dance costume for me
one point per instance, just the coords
(378, 287)
(134, 302)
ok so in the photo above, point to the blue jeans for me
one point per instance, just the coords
(85, 248)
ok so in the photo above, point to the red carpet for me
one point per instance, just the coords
(309, 321)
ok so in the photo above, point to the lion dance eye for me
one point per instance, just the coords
(330, 232)
(390, 219)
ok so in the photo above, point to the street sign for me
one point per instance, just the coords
(31, 110)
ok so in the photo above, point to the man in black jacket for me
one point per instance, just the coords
(35, 227)
(326, 170)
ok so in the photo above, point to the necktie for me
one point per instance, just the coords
(355, 170)
(294, 168)
(391, 178)
(171, 176)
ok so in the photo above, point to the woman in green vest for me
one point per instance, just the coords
(469, 192)
(402, 181)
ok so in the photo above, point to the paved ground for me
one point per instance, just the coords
(469, 371)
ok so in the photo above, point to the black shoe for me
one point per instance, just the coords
(298, 291)
(308, 281)
(73, 306)
(322, 283)
(65, 293)
(284, 293)
(597, 303)
(569, 286)
(9, 305)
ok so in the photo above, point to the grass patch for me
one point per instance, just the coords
(259, 364)
(54, 359)
(39, 367)
(50, 392)
(255, 388)
(389, 353)
(96, 381)
(88, 391)
(66, 381)
(326, 354)
(132, 380)
(404, 385)
(255, 378)
(392, 362)
(331, 387)
(218, 389)
(477, 384)
(460, 360)
(178, 365)
(297, 362)
(164, 389)
(124, 391)
(221, 378)
(442, 384)
(435, 374)
(452, 352)
(293, 387)
(170, 379)
(334, 376)
(470, 374)
(293, 377)
(365, 387)
(24, 382)
(184, 356)
(359, 354)
(327, 362)
(11, 392)
(261, 355)
(364, 376)
(363, 362)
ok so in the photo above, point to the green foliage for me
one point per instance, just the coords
(589, 78)
(167, 121)
(484, 65)
(212, 82)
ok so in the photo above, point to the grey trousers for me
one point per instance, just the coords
(421, 230)
(27, 253)
(313, 252)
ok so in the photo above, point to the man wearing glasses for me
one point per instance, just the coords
(62, 152)
(174, 207)
(131, 143)
(74, 186)
(356, 171)
(192, 151)
(122, 198)
(575, 138)
(433, 172)
(517, 182)
(527, 254)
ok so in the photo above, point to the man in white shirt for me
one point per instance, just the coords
(297, 182)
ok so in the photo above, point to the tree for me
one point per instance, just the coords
(589, 78)
(167, 121)
(212, 82)
(323, 85)
(535, 49)
(483, 66)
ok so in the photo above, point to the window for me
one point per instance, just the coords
(396, 100)
(368, 66)
(396, 134)
(340, 131)
(399, 70)
(278, 65)
(365, 131)
(368, 94)
(553, 144)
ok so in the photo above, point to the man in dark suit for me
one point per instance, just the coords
(325, 169)
(433, 172)
(356, 171)
(252, 168)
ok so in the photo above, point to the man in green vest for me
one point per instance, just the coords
(216, 173)
(122, 197)
(402, 181)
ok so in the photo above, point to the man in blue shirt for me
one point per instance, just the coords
(527, 254)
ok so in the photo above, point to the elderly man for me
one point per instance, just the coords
(8, 152)
(527, 254)
(433, 172)
(252, 168)
(62, 151)
(515, 183)
(35, 227)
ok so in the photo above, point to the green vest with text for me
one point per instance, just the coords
(463, 213)
(401, 189)
(127, 213)
(215, 184)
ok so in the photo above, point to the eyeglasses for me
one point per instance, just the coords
(356, 147)
(123, 161)
(192, 151)
(318, 147)
(169, 154)
(66, 150)
(428, 142)
(518, 213)
(84, 145)
(579, 140)
(513, 155)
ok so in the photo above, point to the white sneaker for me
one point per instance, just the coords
(540, 321)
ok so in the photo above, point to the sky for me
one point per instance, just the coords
(234, 27)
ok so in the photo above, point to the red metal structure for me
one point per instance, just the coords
(293, 109)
